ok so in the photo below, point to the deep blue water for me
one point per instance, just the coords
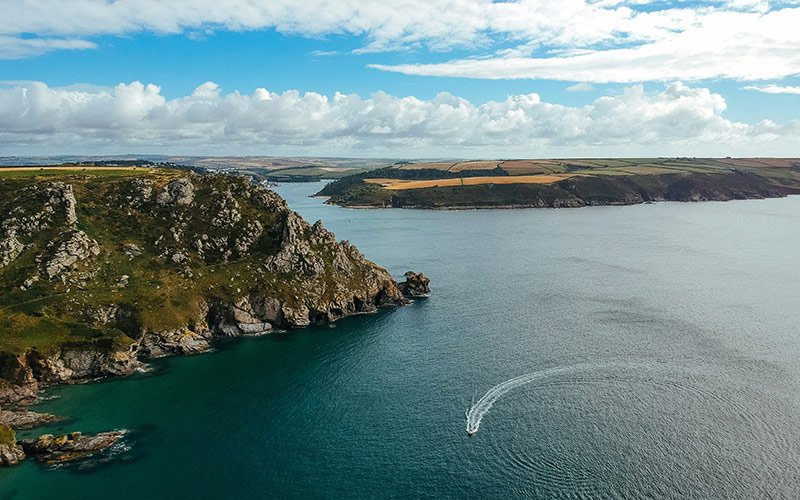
(666, 334)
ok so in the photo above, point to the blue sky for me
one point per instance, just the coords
(733, 64)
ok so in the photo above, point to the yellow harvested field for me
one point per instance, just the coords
(434, 166)
(399, 184)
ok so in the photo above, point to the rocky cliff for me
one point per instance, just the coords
(98, 273)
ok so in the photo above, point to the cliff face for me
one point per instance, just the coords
(98, 273)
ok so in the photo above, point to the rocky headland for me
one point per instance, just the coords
(100, 273)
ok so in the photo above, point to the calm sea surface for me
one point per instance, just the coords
(658, 348)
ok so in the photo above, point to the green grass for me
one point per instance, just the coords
(61, 174)
(7, 435)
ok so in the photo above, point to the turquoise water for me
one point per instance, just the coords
(657, 346)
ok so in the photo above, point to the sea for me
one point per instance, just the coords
(618, 352)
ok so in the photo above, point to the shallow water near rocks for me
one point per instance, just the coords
(666, 336)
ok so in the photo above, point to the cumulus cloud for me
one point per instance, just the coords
(35, 118)
(774, 89)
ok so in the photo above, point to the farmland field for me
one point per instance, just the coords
(399, 184)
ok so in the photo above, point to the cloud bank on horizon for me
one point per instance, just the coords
(136, 116)
(587, 43)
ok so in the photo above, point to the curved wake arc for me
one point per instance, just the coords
(478, 410)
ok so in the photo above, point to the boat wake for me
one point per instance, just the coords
(478, 410)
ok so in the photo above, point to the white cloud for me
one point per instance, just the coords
(774, 89)
(36, 119)
(572, 40)
(580, 87)
(18, 48)
(736, 45)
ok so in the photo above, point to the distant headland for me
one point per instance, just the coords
(564, 182)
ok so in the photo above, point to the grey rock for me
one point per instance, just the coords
(255, 328)
(10, 248)
(131, 250)
(21, 420)
(179, 192)
(73, 246)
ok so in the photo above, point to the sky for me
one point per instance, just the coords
(401, 79)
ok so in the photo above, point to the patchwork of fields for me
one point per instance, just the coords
(548, 171)
(398, 184)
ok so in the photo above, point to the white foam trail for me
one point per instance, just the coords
(479, 409)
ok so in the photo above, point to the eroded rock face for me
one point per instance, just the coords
(62, 195)
(179, 192)
(66, 447)
(74, 246)
(21, 386)
(73, 365)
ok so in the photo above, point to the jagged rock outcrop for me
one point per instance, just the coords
(67, 447)
(10, 248)
(178, 192)
(73, 246)
(37, 208)
(21, 420)
(415, 285)
(171, 342)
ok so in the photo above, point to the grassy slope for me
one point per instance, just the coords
(49, 314)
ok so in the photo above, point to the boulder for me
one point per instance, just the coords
(178, 192)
